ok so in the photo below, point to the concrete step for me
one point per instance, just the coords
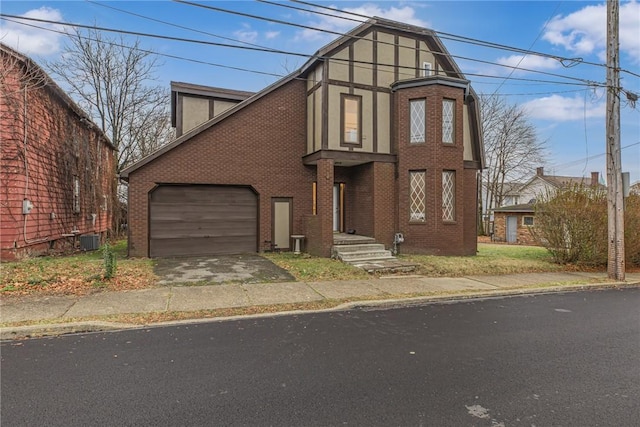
(358, 248)
(386, 266)
(350, 239)
(351, 257)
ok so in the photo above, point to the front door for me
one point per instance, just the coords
(281, 208)
(512, 229)
(338, 207)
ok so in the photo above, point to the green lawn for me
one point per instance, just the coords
(491, 259)
(83, 273)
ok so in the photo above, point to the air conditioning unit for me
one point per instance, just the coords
(90, 242)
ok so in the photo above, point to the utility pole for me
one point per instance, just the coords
(615, 201)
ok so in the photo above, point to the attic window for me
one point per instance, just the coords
(427, 69)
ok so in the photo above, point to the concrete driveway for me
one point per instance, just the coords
(244, 268)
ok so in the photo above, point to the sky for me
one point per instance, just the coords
(564, 99)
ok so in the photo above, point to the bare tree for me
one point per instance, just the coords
(114, 81)
(512, 148)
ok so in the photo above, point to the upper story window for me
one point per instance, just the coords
(351, 119)
(76, 194)
(448, 121)
(427, 69)
(417, 119)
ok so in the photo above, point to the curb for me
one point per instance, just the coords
(39, 331)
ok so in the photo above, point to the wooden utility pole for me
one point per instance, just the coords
(615, 201)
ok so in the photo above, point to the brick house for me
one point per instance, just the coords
(512, 224)
(57, 175)
(377, 134)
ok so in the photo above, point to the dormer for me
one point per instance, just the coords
(192, 105)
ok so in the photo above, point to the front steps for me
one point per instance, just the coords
(365, 253)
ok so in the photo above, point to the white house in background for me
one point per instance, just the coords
(512, 223)
(542, 184)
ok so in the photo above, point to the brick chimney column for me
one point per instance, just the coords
(540, 171)
(595, 178)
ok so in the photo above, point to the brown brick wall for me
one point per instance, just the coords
(359, 200)
(384, 202)
(261, 146)
(325, 171)
(434, 236)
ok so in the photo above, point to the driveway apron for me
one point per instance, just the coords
(243, 268)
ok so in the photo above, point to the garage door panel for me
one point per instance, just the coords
(191, 213)
(212, 246)
(202, 194)
(165, 229)
(202, 220)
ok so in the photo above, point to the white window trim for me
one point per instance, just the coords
(418, 138)
(453, 121)
(427, 69)
(533, 220)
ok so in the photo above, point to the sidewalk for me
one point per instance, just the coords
(60, 314)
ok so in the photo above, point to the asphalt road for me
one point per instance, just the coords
(551, 360)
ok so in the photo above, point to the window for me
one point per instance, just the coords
(417, 119)
(417, 188)
(448, 110)
(448, 195)
(427, 69)
(527, 220)
(314, 198)
(76, 194)
(351, 119)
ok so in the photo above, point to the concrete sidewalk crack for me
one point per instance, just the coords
(480, 281)
(169, 298)
(69, 308)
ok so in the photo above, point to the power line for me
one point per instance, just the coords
(167, 55)
(595, 156)
(173, 24)
(279, 21)
(529, 50)
(277, 75)
(455, 37)
(158, 36)
(583, 82)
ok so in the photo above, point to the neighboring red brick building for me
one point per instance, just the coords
(57, 175)
(378, 133)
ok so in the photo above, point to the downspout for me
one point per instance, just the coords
(26, 174)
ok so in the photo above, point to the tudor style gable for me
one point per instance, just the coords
(351, 88)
